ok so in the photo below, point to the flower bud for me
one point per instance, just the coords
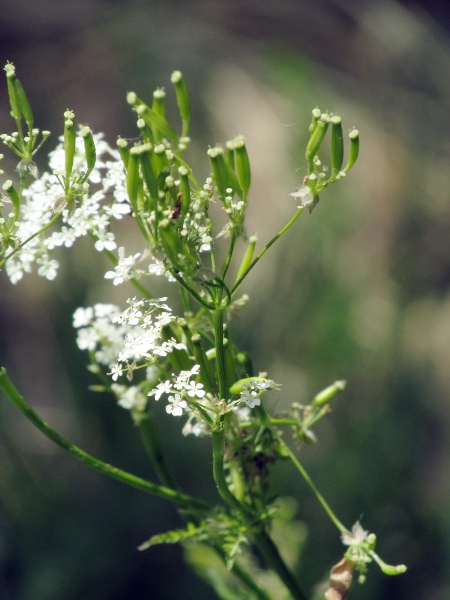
(354, 149)
(337, 143)
(89, 148)
(242, 165)
(182, 100)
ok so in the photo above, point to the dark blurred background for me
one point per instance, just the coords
(360, 290)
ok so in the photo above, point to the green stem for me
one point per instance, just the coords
(309, 481)
(266, 247)
(220, 354)
(230, 253)
(53, 220)
(178, 498)
(218, 440)
(191, 291)
(151, 442)
(273, 559)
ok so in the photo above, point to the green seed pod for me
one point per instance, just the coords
(179, 358)
(158, 105)
(124, 151)
(337, 143)
(160, 160)
(133, 177)
(229, 154)
(328, 393)
(354, 149)
(218, 173)
(69, 143)
(185, 190)
(315, 117)
(317, 137)
(158, 108)
(206, 370)
(13, 195)
(248, 257)
(16, 112)
(89, 148)
(24, 103)
(182, 100)
(242, 165)
(149, 175)
(156, 122)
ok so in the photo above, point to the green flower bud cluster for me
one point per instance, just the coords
(320, 176)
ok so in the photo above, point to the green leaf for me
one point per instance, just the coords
(175, 536)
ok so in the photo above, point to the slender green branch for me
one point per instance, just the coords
(24, 243)
(191, 291)
(230, 253)
(266, 247)
(311, 484)
(132, 480)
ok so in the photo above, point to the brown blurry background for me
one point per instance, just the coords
(360, 290)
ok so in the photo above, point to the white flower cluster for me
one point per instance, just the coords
(253, 390)
(91, 215)
(122, 340)
(180, 390)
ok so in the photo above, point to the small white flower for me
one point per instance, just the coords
(176, 406)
